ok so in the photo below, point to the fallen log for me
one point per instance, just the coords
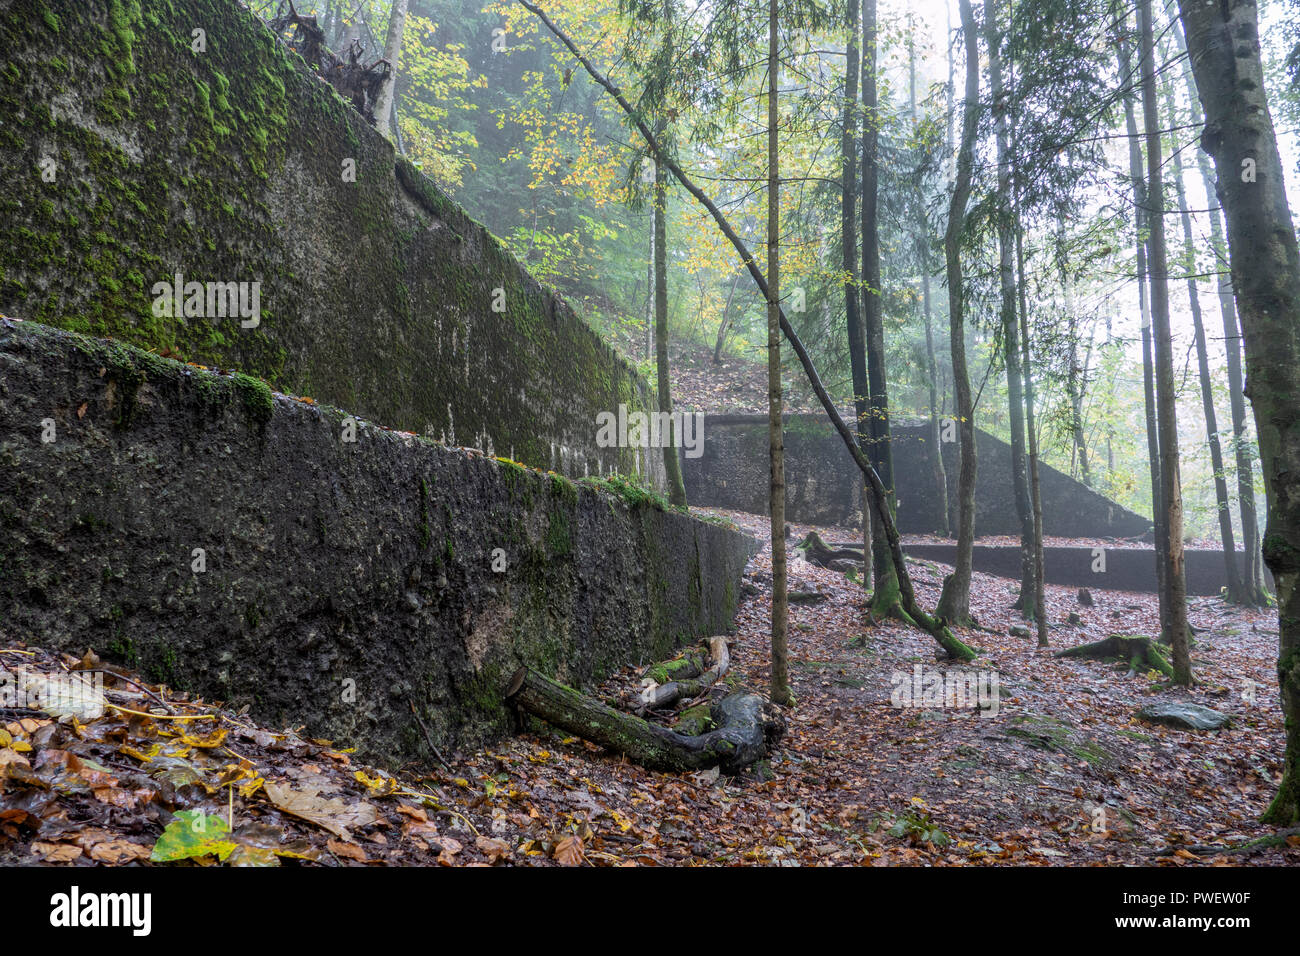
(1141, 653)
(657, 696)
(747, 727)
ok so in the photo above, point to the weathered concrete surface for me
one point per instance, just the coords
(326, 561)
(128, 158)
(822, 482)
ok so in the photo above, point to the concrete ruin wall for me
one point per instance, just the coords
(323, 560)
(822, 482)
(128, 158)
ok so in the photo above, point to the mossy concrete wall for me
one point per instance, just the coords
(823, 484)
(127, 158)
(324, 561)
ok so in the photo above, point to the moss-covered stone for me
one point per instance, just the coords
(379, 295)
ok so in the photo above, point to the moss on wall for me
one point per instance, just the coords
(230, 165)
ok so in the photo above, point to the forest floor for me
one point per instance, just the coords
(1062, 774)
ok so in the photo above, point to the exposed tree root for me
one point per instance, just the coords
(1142, 653)
(359, 82)
(1280, 838)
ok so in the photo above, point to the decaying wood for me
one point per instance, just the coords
(747, 726)
(657, 696)
(1142, 653)
(359, 82)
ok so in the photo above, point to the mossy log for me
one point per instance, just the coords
(747, 727)
(1142, 653)
(690, 664)
(685, 687)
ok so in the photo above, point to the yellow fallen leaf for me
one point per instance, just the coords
(205, 741)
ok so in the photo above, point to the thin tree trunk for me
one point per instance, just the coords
(923, 250)
(884, 598)
(1253, 590)
(392, 53)
(954, 602)
(1006, 227)
(1075, 384)
(650, 292)
(672, 463)
(1224, 43)
(849, 240)
(1027, 367)
(780, 684)
(1236, 592)
(1035, 491)
(1166, 408)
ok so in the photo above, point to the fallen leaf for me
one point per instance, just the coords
(333, 815)
(193, 834)
(56, 852)
(349, 851)
(118, 851)
(568, 852)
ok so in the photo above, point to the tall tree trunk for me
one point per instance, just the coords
(849, 240)
(672, 461)
(1006, 227)
(885, 596)
(1166, 409)
(1035, 490)
(954, 602)
(1224, 43)
(780, 684)
(934, 440)
(1135, 167)
(1236, 592)
(1252, 577)
(1027, 367)
(392, 53)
